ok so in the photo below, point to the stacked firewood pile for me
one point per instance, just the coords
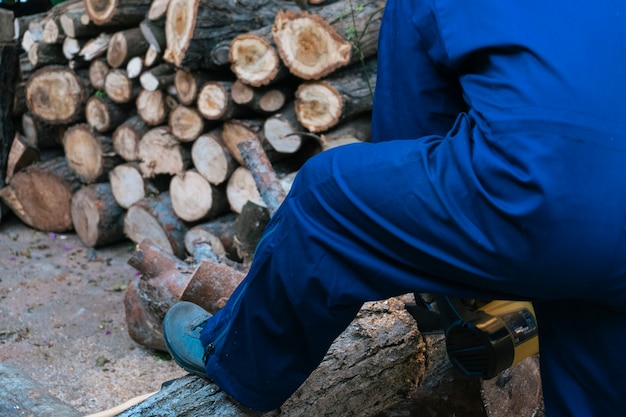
(134, 111)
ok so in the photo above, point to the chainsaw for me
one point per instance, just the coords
(482, 338)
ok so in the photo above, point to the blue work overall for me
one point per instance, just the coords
(497, 170)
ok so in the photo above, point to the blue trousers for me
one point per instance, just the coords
(496, 171)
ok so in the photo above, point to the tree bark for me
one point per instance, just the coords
(265, 178)
(211, 158)
(40, 195)
(97, 218)
(321, 105)
(249, 227)
(154, 218)
(195, 199)
(89, 155)
(235, 131)
(57, 95)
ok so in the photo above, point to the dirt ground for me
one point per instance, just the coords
(62, 319)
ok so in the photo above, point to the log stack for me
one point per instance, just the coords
(153, 99)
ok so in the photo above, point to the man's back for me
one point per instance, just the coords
(560, 60)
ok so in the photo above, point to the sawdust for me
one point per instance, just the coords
(62, 319)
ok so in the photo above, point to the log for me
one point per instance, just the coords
(95, 47)
(313, 45)
(126, 138)
(159, 77)
(211, 158)
(22, 396)
(40, 195)
(97, 218)
(241, 188)
(235, 131)
(21, 155)
(215, 102)
(7, 29)
(8, 78)
(116, 13)
(193, 28)
(41, 54)
(263, 100)
(254, 58)
(71, 47)
(119, 87)
(151, 57)
(219, 233)
(124, 45)
(195, 199)
(147, 299)
(321, 105)
(188, 83)
(57, 94)
(265, 178)
(154, 32)
(154, 218)
(161, 153)
(152, 107)
(76, 23)
(249, 227)
(164, 281)
(186, 123)
(41, 135)
(283, 130)
(98, 69)
(129, 186)
(381, 348)
(104, 115)
(158, 9)
(89, 154)
(352, 131)
(134, 67)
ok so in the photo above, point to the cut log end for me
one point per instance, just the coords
(179, 26)
(308, 44)
(253, 60)
(55, 94)
(318, 106)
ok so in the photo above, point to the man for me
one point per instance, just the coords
(497, 172)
